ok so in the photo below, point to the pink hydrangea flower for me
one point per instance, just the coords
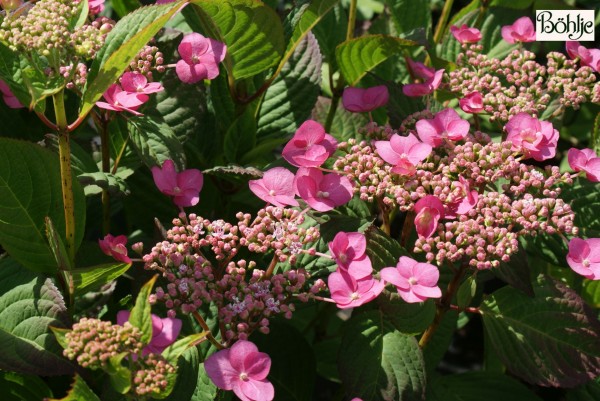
(200, 58)
(403, 152)
(472, 103)
(432, 80)
(134, 82)
(348, 292)
(184, 187)
(420, 70)
(275, 187)
(310, 146)
(10, 5)
(164, 331)
(429, 210)
(322, 192)
(446, 124)
(96, 6)
(465, 34)
(584, 257)
(349, 252)
(465, 203)
(9, 98)
(585, 160)
(522, 30)
(115, 247)
(243, 369)
(416, 282)
(587, 57)
(118, 99)
(535, 138)
(358, 100)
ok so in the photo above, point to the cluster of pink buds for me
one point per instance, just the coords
(151, 376)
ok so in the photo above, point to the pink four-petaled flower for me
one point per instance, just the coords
(429, 210)
(349, 252)
(359, 100)
(465, 34)
(243, 369)
(134, 82)
(200, 58)
(96, 6)
(184, 187)
(464, 203)
(587, 57)
(585, 160)
(522, 30)
(432, 79)
(535, 138)
(584, 257)
(310, 146)
(471, 103)
(118, 99)
(115, 247)
(322, 192)
(403, 152)
(415, 282)
(348, 292)
(446, 124)
(275, 187)
(164, 331)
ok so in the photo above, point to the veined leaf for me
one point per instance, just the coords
(251, 30)
(11, 68)
(358, 56)
(94, 183)
(16, 387)
(155, 142)
(550, 340)
(88, 279)
(383, 250)
(124, 7)
(80, 391)
(408, 15)
(140, 316)
(120, 376)
(240, 137)
(122, 44)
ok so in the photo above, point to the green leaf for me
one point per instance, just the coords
(291, 97)
(330, 32)
(94, 183)
(466, 292)
(345, 124)
(477, 386)
(122, 44)
(80, 16)
(240, 137)
(60, 335)
(407, 318)
(188, 377)
(251, 30)
(140, 316)
(88, 279)
(30, 191)
(439, 343)
(358, 56)
(384, 364)
(155, 142)
(383, 250)
(124, 7)
(587, 392)
(120, 376)
(29, 305)
(11, 68)
(40, 86)
(595, 140)
(516, 4)
(408, 15)
(516, 272)
(584, 198)
(57, 246)
(78, 392)
(175, 350)
(591, 292)
(16, 387)
(550, 340)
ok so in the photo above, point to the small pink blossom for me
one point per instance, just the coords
(310, 146)
(472, 103)
(465, 34)
(416, 282)
(585, 160)
(403, 152)
(522, 30)
(200, 58)
(275, 187)
(358, 100)
(164, 331)
(432, 79)
(349, 252)
(535, 138)
(9, 98)
(429, 210)
(134, 82)
(348, 292)
(584, 257)
(119, 100)
(420, 70)
(96, 6)
(184, 187)
(463, 204)
(115, 247)
(322, 192)
(587, 57)
(446, 124)
(243, 369)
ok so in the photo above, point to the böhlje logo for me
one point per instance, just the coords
(563, 25)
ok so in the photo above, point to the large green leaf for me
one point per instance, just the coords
(330, 32)
(358, 56)
(11, 72)
(155, 142)
(16, 387)
(550, 340)
(251, 30)
(240, 137)
(378, 362)
(408, 15)
(141, 316)
(407, 318)
(122, 44)
(345, 124)
(29, 304)
(587, 392)
(87, 279)
(383, 250)
(30, 191)
(80, 391)
(584, 198)
(292, 96)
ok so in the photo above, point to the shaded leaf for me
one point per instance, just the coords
(120, 376)
(94, 183)
(16, 387)
(434, 350)
(240, 137)
(140, 316)
(383, 250)
(408, 15)
(345, 125)
(80, 391)
(175, 350)
(155, 142)
(407, 318)
(516, 273)
(88, 279)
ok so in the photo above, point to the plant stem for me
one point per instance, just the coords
(444, 305)
(64, 150)
(385, 215)
(105, 148)
(441, 25)
(271, 267)
(351, 20)
(205, 327)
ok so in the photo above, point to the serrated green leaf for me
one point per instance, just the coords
(30, 191)
(587, 392)
(358, 56)
(16, 387)
(549, 340)
(292, 96)
(155, 142)
(345, 125)
(383, 250)
(141, 316)
(251, 30)
(466, 292)
(408, 15)
(80, 15)
(175, 350)
(188, 377)
(240, 137)
(516, 272)
(407, 318)
(40, 86)
(29, 305)
(584, 198)
(60, 335)
(438, 345)
(80, 391)
(122, 44)
(94, 183)
(120, 376)
(330, 32)
(11, 67)
(384, 363)
(88, 279)
(124, 7)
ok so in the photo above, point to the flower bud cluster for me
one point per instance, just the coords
(151, 378)
(148, 59)
(518, 83)
(93, 342)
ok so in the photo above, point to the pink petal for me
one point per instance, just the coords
(426, 274)
(592, 169)
(190, 179)
(190, 73)
(122, 317)
(169, 330)
(358, 243)
(385, 151)
(219, 370)
(424, 292)
(577, 159)
(414, 90)
(360, 268)
(256, 390)
(281, 180)
(239, 351)
(352, 100)
(309, 133)
(393, 276)
(257, 365)
(428, 132)
(594, 249)
(165, 178)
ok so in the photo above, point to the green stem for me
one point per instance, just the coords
(351, 20)
(105, 148)
(205, 327)
(332, 109)
(441, 25)
(66, 178)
